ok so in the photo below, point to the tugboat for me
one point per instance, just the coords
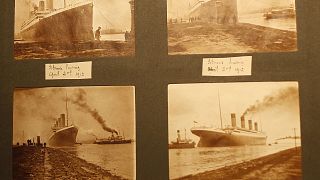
(118, 139)
(278, 13)
(182, 143)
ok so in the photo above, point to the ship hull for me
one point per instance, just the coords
(70, 25)
(127, 141)
(64, 137)
(216, 138)
(181, 146)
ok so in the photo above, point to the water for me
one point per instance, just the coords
(119, 159)
(112, 37)
(184, 162)
(288, 24)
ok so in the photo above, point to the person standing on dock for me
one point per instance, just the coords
(98, 34)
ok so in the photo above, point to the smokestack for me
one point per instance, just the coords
(63, 120)
(59, 122)
(38, 140)
(233, 120)
(256, 126)
(243, 123)
(49, 4)
(41, 6)
(250, 124)
(179, 138)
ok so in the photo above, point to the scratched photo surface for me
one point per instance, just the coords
(74, 133)
(240, 130)
(231, 26)
(51, 29)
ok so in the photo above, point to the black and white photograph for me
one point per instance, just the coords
(73, 28)
(231, 26)
(74, 133)
(245, 130)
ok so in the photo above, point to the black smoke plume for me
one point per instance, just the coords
(80, 99)
(285, 95)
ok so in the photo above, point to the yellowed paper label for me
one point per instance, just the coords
(78, 70)
(231, 66)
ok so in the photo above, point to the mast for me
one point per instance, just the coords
(220, 109)
(67, 114)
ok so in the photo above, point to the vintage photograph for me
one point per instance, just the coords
(73, 28)
(248, 130)
(231, 26)
(74, 133)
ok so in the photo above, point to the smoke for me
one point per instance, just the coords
(80, 99)
(285, 95)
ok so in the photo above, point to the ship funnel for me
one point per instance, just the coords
(256, 126)
(59, 122)
(49, 4)
(41, 6)
(243, 123)
(250, 124)
(63, 120)
(179, 138)
(233, 120)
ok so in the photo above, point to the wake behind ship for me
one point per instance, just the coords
(230, 136)
(63, 135)
(48, 23)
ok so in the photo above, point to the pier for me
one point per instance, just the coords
(49, 163)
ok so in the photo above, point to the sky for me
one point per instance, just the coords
(35, 111)
(200, 103)
(181, 7)
(111, 13)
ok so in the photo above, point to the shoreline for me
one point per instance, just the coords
(104, 48)
(208, 38)
(50, 163)
(285, 164)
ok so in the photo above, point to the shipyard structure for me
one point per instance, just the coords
(216, 11)
(48, 23)
(231, 135)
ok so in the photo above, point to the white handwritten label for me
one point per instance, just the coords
(78, 70)
(231, 66)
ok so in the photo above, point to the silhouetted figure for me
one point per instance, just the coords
(98, 34)
(126, 36)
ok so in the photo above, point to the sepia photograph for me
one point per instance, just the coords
(46, 29)
(246, 130)
(231, 26)
(74, 133)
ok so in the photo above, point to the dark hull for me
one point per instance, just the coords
(181, 146)
(64, 137)
(113, 142)
(70, 25)
(209, 138)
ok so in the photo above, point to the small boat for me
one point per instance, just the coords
(280, 13)
(118, 139)
(182, 143)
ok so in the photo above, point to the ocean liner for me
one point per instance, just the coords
(70, 23)
(63, 134)
(230, 136)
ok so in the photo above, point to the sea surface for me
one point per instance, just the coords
(183, 162)
(288, 24)
(119, 159)
(112, 37)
